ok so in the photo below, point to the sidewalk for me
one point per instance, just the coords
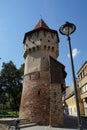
(46, 128)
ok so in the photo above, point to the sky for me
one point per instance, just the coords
(20, 16)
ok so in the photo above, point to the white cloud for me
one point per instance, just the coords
(75, 52)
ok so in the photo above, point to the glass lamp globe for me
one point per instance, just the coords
(67, 28)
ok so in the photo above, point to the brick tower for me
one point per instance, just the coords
(44, 77)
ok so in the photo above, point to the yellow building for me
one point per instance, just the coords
(70, 102)
(82, 75)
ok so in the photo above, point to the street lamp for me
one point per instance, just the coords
(67, 29)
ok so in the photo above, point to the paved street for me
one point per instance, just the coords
(44, 128)
(70, 123)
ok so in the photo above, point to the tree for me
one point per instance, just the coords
(12, 84)
(3, 98)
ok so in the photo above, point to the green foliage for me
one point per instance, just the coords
(13, 113)
(9, 114)
(3, 112)
(11, 80)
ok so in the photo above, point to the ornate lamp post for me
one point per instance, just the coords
(67, 29)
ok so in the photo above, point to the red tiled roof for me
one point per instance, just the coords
(42, 24)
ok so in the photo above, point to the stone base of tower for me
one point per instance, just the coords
(35, 102)
(41, 101)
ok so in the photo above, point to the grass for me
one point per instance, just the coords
(13, 113)
(9, 114)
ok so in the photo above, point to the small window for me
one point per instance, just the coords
(45, 47)
(29, 50)
(33, 48)
(38, 48)
(39, 92)
(52, 48)
(40, 39)
(48, 47)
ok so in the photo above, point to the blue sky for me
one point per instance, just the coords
(20, 16)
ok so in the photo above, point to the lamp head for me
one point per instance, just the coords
(67, 28)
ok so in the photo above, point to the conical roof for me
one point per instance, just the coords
(41, 24)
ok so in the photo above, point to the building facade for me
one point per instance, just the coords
(70, 101)
(82, 75)
(44, 77)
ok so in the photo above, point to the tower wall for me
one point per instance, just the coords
(41, 101)
(35, 102)
(56, 108)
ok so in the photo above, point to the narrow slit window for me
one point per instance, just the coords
(39, 92)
